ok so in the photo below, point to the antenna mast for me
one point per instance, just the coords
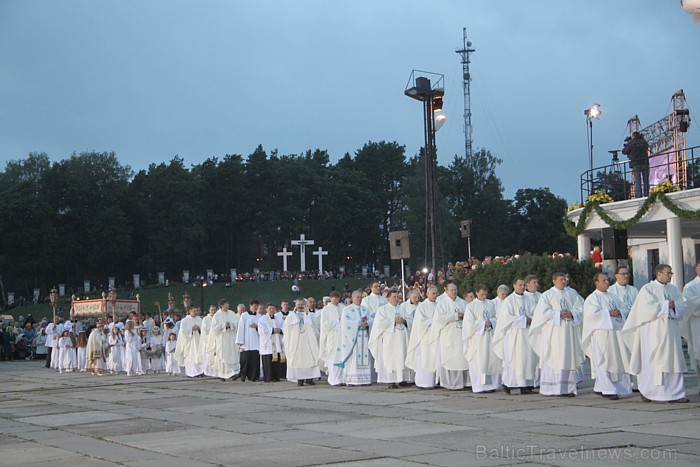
(464, 52)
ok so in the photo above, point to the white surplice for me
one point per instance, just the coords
(477, 340)
(446, 335)
(420, 349)
(301, 346)
(388, 343)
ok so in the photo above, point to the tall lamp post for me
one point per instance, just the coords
(113, 301)
(54, 301)
(421, 89)
(592, 113)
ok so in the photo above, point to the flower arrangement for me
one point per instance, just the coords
(574, 207)
(666, 186)
(600, 197)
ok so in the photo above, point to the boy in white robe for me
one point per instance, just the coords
(652, 334)
(477, 336)
(602, 342)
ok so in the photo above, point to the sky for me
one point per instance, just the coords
(199, 79)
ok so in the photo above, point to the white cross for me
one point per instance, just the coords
(302, 242)
(320, 253)
(284, 253)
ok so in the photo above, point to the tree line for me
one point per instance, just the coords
(89, 217)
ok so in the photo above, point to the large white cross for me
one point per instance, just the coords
(302, 242)
(284, 253)
(320, 253)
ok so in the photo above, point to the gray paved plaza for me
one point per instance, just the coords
(77, 419)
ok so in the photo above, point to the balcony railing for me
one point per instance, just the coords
(680, 167)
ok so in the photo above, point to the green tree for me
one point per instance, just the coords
(538, 220)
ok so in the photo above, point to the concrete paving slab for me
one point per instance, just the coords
(72, 418)
(613, 457)
(182, 441)
(23, 452)
(124, 427)
(681, 428)
(383, 428)
(381, 462)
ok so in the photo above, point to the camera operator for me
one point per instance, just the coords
(637, 151)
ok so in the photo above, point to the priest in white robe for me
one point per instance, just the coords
(420, 349)
(204, 338)
(555, 336)
(372, 302)
(221, 344)
(690, 326)
(330, 338)
(652, 334)
(446, 337)
(188, 352)
(501, 293)
(477, 339)
(352, 355)
(388, 343)
(625, 294)
(412, 303)
(510, 341)
(532, 288)
(301, 346)
(603, 344)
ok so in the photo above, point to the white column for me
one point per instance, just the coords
(675, 250)
(584, 247)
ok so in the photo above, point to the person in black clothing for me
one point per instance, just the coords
(637, 151)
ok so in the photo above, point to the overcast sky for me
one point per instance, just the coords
(198, 79)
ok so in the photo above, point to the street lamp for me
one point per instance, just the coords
(113, 301)
(430, 94)
(54, 301)
(591, 113)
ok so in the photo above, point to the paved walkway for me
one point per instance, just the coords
(77, 419)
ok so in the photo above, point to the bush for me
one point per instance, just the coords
(543, 267)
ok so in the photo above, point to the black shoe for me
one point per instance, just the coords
(527, 391)
(403, 384)
(567, 395)
(393, 386)
(507, 389)
(644, 399)
(612, 397)
(598, 392)
(310, 382)
(682, 400)
(235, 377)
(223, 380)
(300, 382)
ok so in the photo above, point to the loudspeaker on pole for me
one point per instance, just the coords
(399, 247)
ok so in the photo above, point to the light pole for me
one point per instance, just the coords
(421, 89)
(592, 113)
(54, 301)
(113, 301)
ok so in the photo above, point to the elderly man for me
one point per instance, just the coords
(555, 336)
(446, 336)
(510, 341)
(330, 338)
(602, 342)
(652, 334)
(421, 353)
(301, 346)
(388, 343)
(690, 326)
(352, 353)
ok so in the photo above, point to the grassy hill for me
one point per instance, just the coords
(240, 292)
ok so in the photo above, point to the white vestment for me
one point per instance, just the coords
(446, 336)
(557, 341)
(652, 334)
(484, 365)
(132, 359)
(625, 296)
(352, 354)
(330, 340)
(301, 347)
(690, 326)
(203, 339)
(510, 342)
(420, 349)
(602, 342)
(221, 344)
(388, 343)
(188, 352)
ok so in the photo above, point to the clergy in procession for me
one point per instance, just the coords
(446, 338)
(188, 352)
(374, 300)
(388, 343)
(501, 293)
(267, 332)
(421, 355)
(477, 337)
(352, 353)
(624, 293)
(652, 334)
(330, 338)
(690, 326)
(96, 351)
(510, 341)
(602, 342)
(278, 346)
(221, 343)
(204, 338)
(555, 336)
(532, 288)
(412, 303)
(248, 342)
(301, 346)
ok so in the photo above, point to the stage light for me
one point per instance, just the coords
(593, 112)
(440, 119)
(437, 104)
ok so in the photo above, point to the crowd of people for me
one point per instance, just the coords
(521, 340)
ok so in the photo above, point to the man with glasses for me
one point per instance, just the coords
(652, 334)
(624, 293)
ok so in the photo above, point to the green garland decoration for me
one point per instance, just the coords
(578, 228)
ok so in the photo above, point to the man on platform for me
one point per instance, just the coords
(652, 334)
(555, 336)
(602, 342)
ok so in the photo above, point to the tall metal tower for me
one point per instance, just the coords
(466, 79)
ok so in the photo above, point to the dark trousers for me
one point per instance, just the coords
(250, 365)
(48, 356)
(271, 370)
